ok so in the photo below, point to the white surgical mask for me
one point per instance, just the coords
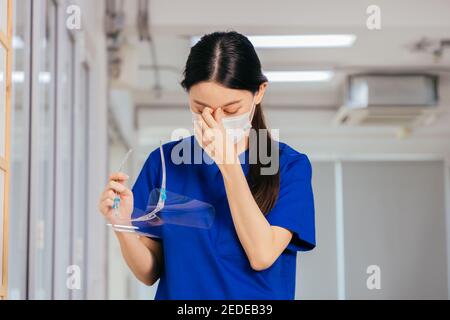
(238, 127)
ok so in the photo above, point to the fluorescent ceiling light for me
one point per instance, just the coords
(45, 77)
(299, 76)
(19, 77)
(299, 41)
(304, 41)
(18, 43)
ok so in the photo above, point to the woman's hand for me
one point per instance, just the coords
(116, 186)
(212, 136)
(143, 255)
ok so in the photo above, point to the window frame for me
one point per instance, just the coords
(6, 43)
(63, 240)
(23, 180)
(38, 11)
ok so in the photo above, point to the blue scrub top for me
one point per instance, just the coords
(211, 263)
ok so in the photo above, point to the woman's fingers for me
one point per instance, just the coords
(105, 206)
(114, 188)
(108, 194)
(207, 116)
(208, 131)
(210, 150)
(119, 176)
(198, 131)
(118, 187)
(209, 134)
(219, 115)
(206, 136)
(108, 203)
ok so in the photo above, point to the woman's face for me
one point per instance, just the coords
(232, 101)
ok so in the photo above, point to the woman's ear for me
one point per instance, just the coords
(262, 90)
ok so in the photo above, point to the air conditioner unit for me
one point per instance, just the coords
(390, 100)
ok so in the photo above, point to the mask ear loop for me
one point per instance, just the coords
(252, 114)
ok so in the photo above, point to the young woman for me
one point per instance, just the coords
(261, 220)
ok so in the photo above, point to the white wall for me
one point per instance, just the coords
(392, 215)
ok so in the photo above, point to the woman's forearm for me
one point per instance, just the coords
(142, 261)
(257, 236)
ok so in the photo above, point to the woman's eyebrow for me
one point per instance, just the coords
(226, 105)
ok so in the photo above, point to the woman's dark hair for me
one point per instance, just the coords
(229, 59)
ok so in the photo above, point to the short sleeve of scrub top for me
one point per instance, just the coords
(294, 209)
(211, 263)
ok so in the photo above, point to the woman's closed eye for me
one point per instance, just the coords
(231, 110)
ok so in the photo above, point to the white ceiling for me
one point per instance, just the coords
(403, 23)
(172, 23)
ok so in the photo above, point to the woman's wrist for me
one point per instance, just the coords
(126, 236)
(230, 170)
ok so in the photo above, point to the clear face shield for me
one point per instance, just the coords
(165, 207)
